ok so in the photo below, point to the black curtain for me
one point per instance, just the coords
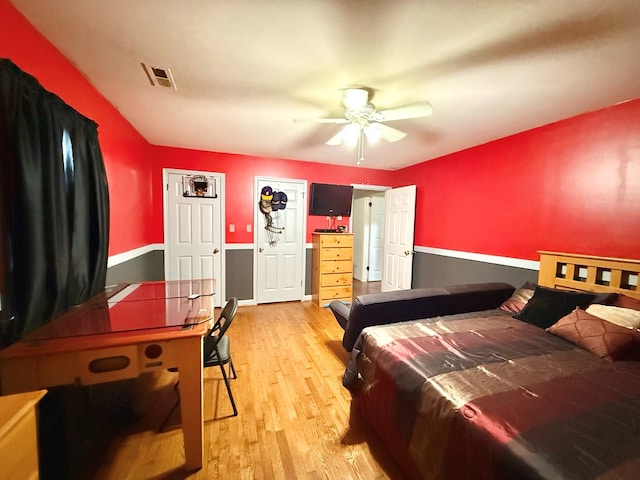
(54, 215)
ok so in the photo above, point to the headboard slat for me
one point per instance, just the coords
(616, 278)
(603, 274)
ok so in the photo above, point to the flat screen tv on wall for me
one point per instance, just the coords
(330, 200)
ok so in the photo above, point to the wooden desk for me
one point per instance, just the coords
(117, 335)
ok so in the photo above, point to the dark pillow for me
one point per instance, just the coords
(607, 298)
(548, 305)
(604, 339)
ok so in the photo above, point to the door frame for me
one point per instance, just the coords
(256, 225)
(220, 283)
(379, 200)
(372, 189)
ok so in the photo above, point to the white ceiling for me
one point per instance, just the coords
(245, 68)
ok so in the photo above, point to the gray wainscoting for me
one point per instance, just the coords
(239, 275)
(148, 267)
(307, 280)
(430, 270)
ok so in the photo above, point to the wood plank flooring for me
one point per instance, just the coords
(360, 288)
(295, 419)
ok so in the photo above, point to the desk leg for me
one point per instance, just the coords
(189, 354)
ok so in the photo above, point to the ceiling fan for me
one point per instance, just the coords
(362, 120)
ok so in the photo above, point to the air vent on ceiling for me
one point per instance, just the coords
(159, 76)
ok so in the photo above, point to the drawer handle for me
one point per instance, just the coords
(109, 364)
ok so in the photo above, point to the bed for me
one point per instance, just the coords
(489, 396)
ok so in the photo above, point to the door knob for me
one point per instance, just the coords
(407, 253)
(215, 250)
(261, 249)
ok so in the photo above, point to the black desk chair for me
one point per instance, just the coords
(216, 352)
(216, 347)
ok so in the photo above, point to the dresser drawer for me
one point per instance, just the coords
(336, 254)
(335, 279)
(332, 274)
(338, 240)
(327, 294)
(336, 266)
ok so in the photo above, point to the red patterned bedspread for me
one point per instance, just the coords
(486, 396)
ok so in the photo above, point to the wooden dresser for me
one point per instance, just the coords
(332, 277)
(18, 435)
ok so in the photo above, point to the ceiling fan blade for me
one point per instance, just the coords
(336, 121)
(336, 139)
(379, 130)
(348, 135)
(414, 110)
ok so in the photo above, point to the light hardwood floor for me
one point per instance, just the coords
(295, 419)
(360, 288)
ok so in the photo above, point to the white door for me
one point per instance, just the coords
(376, 238)
(280, 242)
(400, 213)
(193, 229)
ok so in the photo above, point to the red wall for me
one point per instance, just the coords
(571, 186)
(239, 173)
(125, 152)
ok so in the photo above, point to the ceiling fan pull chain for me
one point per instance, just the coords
(361, 146)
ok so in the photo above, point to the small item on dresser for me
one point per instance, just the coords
(342, 229)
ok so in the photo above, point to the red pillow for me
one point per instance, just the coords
(519, 299)
(604, 339)
(627, 302)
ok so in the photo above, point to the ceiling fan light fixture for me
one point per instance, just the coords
(355, 97)
(351, 134)
(373, 132)
(363, 123)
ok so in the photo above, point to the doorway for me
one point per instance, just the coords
(367, 224)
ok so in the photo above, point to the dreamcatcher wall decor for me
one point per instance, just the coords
(270, 205)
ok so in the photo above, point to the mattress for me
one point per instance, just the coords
(483, 395)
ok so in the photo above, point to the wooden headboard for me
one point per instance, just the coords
(589, 273)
